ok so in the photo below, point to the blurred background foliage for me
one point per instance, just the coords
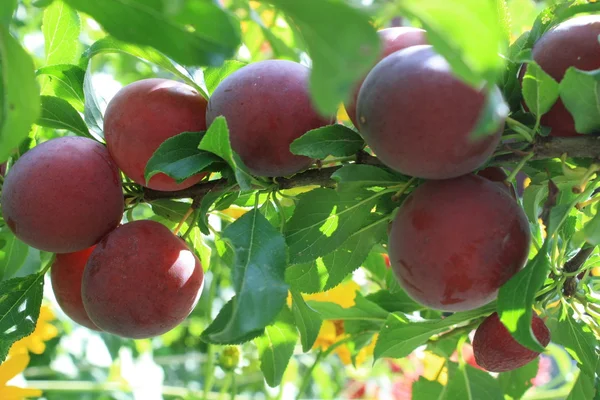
(65, 361)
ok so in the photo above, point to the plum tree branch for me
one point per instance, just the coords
(586, 146)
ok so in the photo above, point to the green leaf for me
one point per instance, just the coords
(109, 45)
(342, 44)
(13, 253)
(92, 113)
(308, 277)
(332, 140)
(59, 114)
(324, 219)
(179, 157)
(20, 302)
(516, 297)
(591, 230)
(276, 347)
(580, 92)
(363, 309)
(394, 302)
(493, 115)
(468, 383)
(360, 175)
(215, 75)
(61, 27)
(66, 81)
(20, 96)
(540, 90)
(351, 254)
(577, 338)
(516, 382)
(7, 9)
(153, 24)
(171, 210)
(257, 274)
(307, 320)
(424, 389)
(450, 26)
(216, 141)
(221, 321)
(584, 388)
(402, 333)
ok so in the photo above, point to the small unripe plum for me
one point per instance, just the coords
(63, 195)
(267, 106)
(392, 40)
(418, 117)
(141, 116)
(66, 275)
(141, 281)
(573, 43)
(495, 349)
(455, 242)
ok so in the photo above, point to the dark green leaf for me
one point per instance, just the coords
(359, 175)
(324, 219)
(424, 389)
(584, 388)
(150, 24)
(332, 140)
(308, 277)
(59, 114)
(258, 276)
(13, 253)
(580, 92)
(215, 75)
(61, 27)
(403, 333)
(179, 157)
(577, 338)
(515, 383)
(363, 309)
(7, 9)
(276, 347)
(109, 45)
(66, 81)
(307, 320)
(20, 302)
(342, 44)
(207, 201)
(20, 96)
(216, 141)
(221, 321)
(468, 383)
(540, 90)
(515, 299)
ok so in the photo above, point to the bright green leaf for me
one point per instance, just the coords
(215, 75)
(580, 92)
(584, 389)
(61, 27)
(540, 90)
(13, 253)
(359, 175)
(363, 309)
(59, 114)
(424, 389)
(66, 81)
(7, 9)
(20, 96)
(516, 382)
(468, 383)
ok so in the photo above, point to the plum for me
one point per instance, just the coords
(63, 195)
(66, 275)
(455, 242)
(141, 116)
(418, 117)
(392, 40)
(495, 349)
(573, 43)
(267, 106)
(141, 281)
(497, 174)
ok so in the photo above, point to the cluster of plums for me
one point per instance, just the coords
(454, 242)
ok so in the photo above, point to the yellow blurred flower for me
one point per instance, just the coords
(44, 331)
(342, 115)
(15, 364)
(332, 331)
(434, 368)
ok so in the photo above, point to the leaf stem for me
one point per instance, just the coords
(187, 214)
(521, 129)
(518, 168)
(210, 351)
